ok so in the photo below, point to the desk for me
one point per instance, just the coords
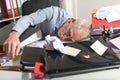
(15, 75)
(111, 74)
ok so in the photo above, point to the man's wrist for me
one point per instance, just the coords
(14, 33)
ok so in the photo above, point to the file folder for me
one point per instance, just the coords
(100, 23)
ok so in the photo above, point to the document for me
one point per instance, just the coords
(40, 44)
(71, 51)
(34, 37)
(98, 47)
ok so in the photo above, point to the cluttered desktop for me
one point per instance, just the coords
(95, 58)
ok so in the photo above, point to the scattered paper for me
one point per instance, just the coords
(34, 37)
(40, 44)
(72, 51)
(111, 13)
(98, 47)
(8, 63)
(116, 42)
(53, 42)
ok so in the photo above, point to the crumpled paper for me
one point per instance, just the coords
(52, 42)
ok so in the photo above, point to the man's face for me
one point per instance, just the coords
(68, 33)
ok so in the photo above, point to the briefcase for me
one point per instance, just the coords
(59, 64)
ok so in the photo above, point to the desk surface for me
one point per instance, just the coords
(113, 74)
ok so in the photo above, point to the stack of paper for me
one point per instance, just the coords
(110, 13)
(34, 37)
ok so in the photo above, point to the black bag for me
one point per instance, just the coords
(59, 64)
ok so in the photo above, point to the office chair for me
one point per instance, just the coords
(33, 5)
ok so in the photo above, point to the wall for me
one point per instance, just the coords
(82, 9)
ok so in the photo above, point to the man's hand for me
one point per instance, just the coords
(12, 45)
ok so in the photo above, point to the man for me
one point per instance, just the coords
(58, 23)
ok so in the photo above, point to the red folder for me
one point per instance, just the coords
(6, 9)
(98, 22)
(15, 8)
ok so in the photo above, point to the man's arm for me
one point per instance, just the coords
(12, 44)
(34, 18)
(52, 14)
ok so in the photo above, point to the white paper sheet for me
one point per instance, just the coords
(72, 51)
(111, 13)
(34, 37)
(98, 47)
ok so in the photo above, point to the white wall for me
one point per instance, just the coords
(68, 6)
(0, 9)
(82, 9)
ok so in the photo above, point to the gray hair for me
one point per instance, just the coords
(85, 26)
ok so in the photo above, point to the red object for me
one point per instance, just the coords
(86, 56)
(6, 9)
(39, 71)
(2, 52)
(97, 22)
(15, 8)
(2, 62)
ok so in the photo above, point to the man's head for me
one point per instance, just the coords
(75, 30)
